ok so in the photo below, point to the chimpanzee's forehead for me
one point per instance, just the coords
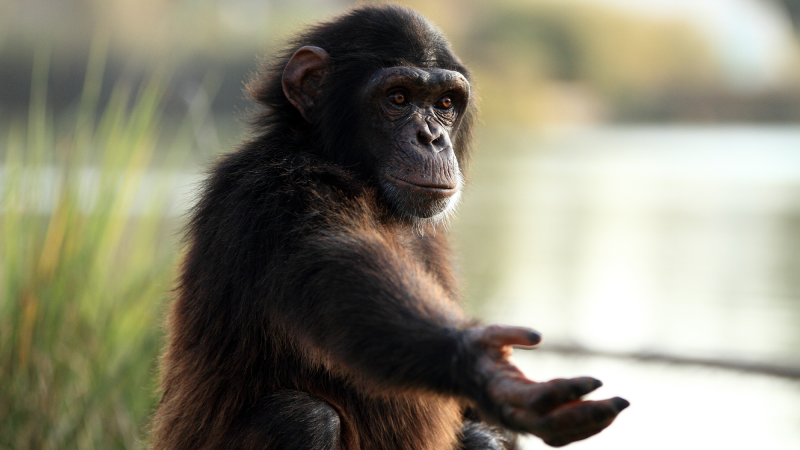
(422, 78)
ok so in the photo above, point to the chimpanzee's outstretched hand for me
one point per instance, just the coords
(552, 410)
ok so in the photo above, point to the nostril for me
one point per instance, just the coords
(424, 138)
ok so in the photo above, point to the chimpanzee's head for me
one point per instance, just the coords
(380, 91)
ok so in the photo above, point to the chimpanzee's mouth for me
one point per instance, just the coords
(431, 188)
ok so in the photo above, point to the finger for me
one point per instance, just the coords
(579, 421)
(554, 393)
(502, 335)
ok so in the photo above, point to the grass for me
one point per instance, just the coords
(87, 257)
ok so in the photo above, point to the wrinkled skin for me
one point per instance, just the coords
(417, 112)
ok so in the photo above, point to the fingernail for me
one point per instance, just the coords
(620, 403)
(596, 383)
(534, 337)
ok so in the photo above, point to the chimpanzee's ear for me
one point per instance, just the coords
(303, 78)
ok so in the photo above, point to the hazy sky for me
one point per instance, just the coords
(753, 38)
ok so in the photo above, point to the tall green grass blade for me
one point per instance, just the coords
(87, 260)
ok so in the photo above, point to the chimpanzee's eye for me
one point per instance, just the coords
(444, 103)
(398, 98)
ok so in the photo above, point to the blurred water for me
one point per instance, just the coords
(680, 407)
(682, 242)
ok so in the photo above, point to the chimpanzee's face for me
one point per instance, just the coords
(413, 115)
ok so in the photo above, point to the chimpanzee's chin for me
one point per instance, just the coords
(414, 205)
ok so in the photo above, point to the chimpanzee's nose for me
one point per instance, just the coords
(431, 132)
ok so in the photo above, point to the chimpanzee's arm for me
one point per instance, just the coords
(375, 311)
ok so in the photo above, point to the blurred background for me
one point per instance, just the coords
(634, 196)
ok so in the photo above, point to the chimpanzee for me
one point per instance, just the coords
(317, 307)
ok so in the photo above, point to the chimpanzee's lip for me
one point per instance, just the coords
(429, 188)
